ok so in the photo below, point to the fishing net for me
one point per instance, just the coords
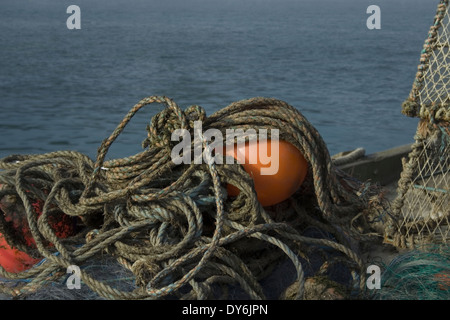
(421, 212)
(173, 230)
(417, 275)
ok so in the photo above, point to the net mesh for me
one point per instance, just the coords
(425, 213)
(429, 97)
(421, 211)
(436, 78)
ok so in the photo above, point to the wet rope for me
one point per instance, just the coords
(173, 226)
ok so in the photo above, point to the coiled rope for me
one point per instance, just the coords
(173, 226)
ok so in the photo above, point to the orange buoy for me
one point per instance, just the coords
(14, 260)
(285, 172)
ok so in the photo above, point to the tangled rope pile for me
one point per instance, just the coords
(173, 226)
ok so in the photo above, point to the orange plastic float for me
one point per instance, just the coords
(271, 188)
(14, 260)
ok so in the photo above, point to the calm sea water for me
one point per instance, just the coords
(66, 89)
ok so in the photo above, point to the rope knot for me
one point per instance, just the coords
(163, 124)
